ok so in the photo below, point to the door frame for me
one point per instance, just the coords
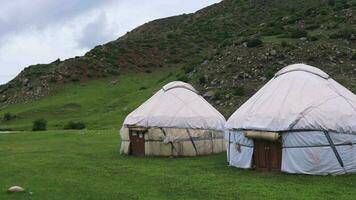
(272, 152)
(136, 134)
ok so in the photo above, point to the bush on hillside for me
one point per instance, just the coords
(353, 57)
(239, 91)
(344, 33)
(313, 37)
(39, 125)
(284, 43)
(8, 117)
(72, 125)
(202, 80)
(297, 33)
(331, 2)
(74, 78)
(183, 78)
(188, 68)
(254, 42)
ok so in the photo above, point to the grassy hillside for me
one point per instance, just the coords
(186, 41)
(86, 165)
(100, 104)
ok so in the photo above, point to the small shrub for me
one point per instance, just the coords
(313, 38)
(353, 57)
(331, 2)
(8, 117)
(219, 94)
(297, 33)
(255, 42)
(72, 125)
(114, 72)
(344, 33)
(284, 43)
(312, 27)
(183, 78)
(74, 78)
(188, 68)
(202, 80)
(239, 91)
(39, 125)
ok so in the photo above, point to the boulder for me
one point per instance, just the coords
(16, 189)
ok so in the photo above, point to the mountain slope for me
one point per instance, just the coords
(227, 50)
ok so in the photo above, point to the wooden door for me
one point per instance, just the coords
(137, 143)
(267, 156)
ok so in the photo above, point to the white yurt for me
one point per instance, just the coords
(301, 121)
(176, 121)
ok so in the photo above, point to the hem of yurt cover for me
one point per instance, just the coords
(303, 152)
(170, 127)
(192, 143)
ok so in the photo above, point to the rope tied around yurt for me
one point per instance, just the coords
(191, 139)
(172, 145)
(327, 135)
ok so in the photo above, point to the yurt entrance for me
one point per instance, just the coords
(267, 153)
(137, 141)
(267, 156)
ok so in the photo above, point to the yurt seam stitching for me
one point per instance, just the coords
(321, 145)
(307, 110)
(302, 70)
(182, 87)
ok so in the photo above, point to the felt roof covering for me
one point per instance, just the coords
(176, 105)
(298, 97)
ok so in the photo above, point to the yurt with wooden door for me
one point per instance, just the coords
(301, 121)
(176, 121)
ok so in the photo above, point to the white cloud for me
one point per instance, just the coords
(40, 31)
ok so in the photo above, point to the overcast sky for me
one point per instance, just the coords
(40, 31)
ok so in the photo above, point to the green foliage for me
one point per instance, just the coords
(297, 33)
(313, 37)
(284, 43)
(353, 57)
(331, 2)
(73, 125)
(74, 78)
(114, 71)
(254, 42)
(344, 33)
(202, 80)
(238, 91)
(188, 68)
(219, 95)
(183, 77)
(39, 125)
(8, 117)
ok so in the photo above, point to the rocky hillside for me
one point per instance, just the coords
(227, 50)
(322, 36)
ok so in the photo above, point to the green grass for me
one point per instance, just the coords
(86, 165)
(100, 104)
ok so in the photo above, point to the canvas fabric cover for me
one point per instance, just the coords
(303, 103)
(299, 97)
(176, 105)
(177, 142)
(239, 149)
(311, 153)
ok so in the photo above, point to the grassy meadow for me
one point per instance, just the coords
(86, 164)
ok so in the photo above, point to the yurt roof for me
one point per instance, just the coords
(176, 105)
(299, 97)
